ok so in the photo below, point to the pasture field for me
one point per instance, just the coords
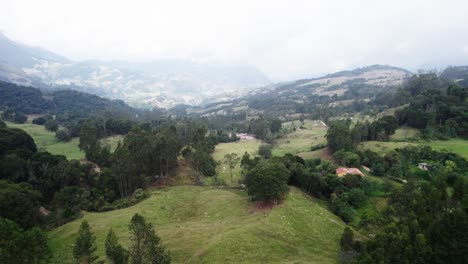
(112, 141)
(211, 225)
(45, 140)
(239, 147)
(454, 145)
(301, 140)
(405, 134)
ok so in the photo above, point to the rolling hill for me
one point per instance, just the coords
(161, 83)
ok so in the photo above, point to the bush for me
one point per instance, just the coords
(268, 181)
(51, 125)
(39, 121)
(63, 135)
(265, 151)
(139, 194)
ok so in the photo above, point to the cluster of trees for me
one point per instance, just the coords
(340, 135)
(146, 246)
(265, 128)
(423, 223)
(439, 112)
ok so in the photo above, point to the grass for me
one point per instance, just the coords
(112, 141)
(210, 225)
(300, 140)
(382, 147)
(405, 134)
(46, 141)
(454, 145)
(239, 147)
(323, 153)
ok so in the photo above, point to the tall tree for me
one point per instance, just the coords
(114, 251)
(146, 245)
(231, 160)
(85, 245)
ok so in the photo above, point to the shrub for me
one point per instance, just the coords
(39, 121)
(51, 125)
(63, 135)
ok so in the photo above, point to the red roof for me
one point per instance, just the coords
(343, 171)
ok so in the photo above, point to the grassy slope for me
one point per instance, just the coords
(209, 225)
(112, 141)
(301, 140)
(239, 147)
(455, 145)
(45, 140)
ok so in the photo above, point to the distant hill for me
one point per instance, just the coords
(30, 100)
(362, 83)
(162, 83)
(458, 74)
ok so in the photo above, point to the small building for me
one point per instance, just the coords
(340, 172)
(424, 166)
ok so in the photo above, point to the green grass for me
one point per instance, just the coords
(382, 147)
(300, 140)
(209, 225)
(46, 141)
(454, 145)
(239, 147)
(405, 134)
(112, 141)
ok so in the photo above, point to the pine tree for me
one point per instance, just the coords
(146, 245)
(114, 251)
(85, 245)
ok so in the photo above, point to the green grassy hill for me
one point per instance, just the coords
(210, 225)
(312, 133)
(45, 140)
(239, 147)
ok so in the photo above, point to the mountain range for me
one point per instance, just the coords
(161, 83)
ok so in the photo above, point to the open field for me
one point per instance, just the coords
(323, 153)
(405, 134)
(210, 225)
(382, 147)
(112, 141)
(300, 140)
(45, 140)
(454, 145)
(239, 147)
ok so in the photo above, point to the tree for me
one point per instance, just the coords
(231, 160)
(51, 125)
(339, 136)
(39, 120)
(22, 246)
(85, 245)
(265, 151)
(114, 251)
(204, 163)
(268, 181)
(63, 135)
(146, 245)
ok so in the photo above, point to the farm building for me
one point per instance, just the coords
(424, 166)
(340, 172)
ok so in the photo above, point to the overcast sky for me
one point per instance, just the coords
(285, 39)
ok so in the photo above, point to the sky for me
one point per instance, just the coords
(284, 39)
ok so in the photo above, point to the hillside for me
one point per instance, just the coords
(161, 83)
(210, 225)
(296, 96)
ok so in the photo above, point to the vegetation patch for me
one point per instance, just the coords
(305, 136)
(210, 225)
(46, 141)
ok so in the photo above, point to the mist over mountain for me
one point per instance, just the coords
(161, 83)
